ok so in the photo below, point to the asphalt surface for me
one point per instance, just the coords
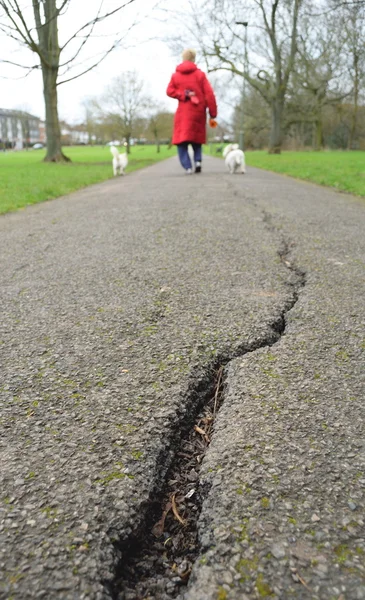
(117, 304)
(285, 514)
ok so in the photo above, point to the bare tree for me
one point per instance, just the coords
(37, 30)
(347, 19)
(257, 120)
(319, 76)
(160, 125)
(124, 103)
(90, 121)
(354, 27)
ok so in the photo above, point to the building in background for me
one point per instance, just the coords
(42, 132)
(74, 134)
(18, 129)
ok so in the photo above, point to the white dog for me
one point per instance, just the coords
(120, 161)
(235, 159)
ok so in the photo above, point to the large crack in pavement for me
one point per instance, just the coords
(284, 515)
(112, 338)
(156, 560)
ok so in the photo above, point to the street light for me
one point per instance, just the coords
(242, 130)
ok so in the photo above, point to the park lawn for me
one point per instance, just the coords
(25, 179)
(344, 171)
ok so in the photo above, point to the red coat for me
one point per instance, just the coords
(190, 119)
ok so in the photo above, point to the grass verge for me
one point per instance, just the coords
(25, 179)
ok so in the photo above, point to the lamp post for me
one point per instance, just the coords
(242, 130)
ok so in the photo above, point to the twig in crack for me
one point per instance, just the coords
(202, 433)
(208, 424)
(184, 455)
(303, 582)
(185, 575)
(175, 511)
(220, 373)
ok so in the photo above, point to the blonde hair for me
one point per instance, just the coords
(189, 54)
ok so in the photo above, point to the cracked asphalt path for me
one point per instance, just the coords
(115, 302)
(285, 513)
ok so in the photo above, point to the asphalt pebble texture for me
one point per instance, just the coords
(285, 513)
(116, 303)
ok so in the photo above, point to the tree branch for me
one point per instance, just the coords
(60, 9)
(10, 62)
(115, 44)
(13, 21)
(94, 21)
(87, 37)
(293, 43)
(31, 69)
(37, 15)
(18, 11)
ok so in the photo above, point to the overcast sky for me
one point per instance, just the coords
(143, 49)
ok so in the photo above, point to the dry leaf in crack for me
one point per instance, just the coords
(158, 528)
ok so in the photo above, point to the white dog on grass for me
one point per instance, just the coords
(235, 159)
(120, 161)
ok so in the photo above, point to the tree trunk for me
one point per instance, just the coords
(276, 133)
(53, 131)
(353, 125)
(128, 142)
(49, 53)
(356, 103)
(318, 134)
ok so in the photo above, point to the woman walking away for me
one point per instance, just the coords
(190, 86)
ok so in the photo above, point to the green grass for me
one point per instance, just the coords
(341, 170)
(25, 179)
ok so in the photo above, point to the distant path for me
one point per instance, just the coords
(118, 304)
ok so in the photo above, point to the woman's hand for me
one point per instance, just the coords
(189, 93)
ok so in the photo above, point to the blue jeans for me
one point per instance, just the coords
(184, 154)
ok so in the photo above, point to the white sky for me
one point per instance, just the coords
(144, 50)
